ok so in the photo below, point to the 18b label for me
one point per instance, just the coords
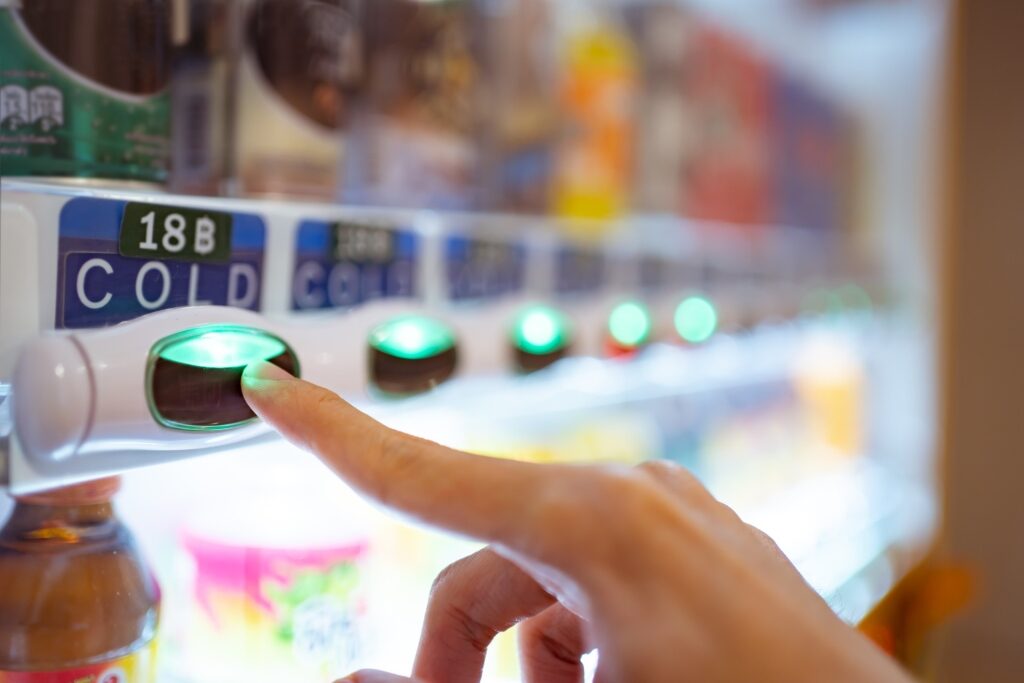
(172, 232)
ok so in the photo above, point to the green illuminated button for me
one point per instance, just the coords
(630, 324)
(193, 378)
(412, 337)
(540, 336)
(696, 319)
(223, 348)
(411, 353)
(540, 330)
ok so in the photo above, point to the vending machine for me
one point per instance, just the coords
(750, 342)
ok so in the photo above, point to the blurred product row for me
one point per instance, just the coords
(270, 569)
(581, 108)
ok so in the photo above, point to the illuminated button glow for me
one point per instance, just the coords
(223, 347)
(194, 377)
(630, 324)
(412, 337)
(541, 330)
(696, 319)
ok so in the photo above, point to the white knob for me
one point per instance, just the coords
(53, 398)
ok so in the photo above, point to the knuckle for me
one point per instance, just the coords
(661, 470)
(563, 509)
(636, 501)
(317, 399)
(468, 628)
(599, 499)
(558, 650)
(397, 464)
(325, 398)
(454, 601)
(563, 516)
(590, 513)
(766, 541)
(444, 579)
(628, 487)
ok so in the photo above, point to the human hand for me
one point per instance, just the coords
(641, 563)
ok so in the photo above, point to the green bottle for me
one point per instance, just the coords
(84, 89)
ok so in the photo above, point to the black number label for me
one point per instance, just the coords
(358, 243)
(481, 269)
(171, 232)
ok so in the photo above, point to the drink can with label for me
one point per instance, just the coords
(300, 60)
(206, 37)
(83, 89)
(519, 82)
(416, 120)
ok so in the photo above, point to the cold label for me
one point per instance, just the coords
(100, 283)
(343, 264)
(480, 269)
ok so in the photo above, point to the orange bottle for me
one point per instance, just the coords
(77, 603)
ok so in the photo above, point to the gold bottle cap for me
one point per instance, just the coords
(92, 492)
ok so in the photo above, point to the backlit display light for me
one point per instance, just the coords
(193, 377)
(540, 336)
(696, 319)
(411, 353)
(630, 325)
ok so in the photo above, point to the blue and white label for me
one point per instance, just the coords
(97, 286)
(342, 264)
(483, 269)
(579, 271)
(654, 273)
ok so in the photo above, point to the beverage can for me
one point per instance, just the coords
(83, 89)
(298, 65)
(415, 121)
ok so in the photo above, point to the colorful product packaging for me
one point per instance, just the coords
(416, 122)
(272, 568)
(597, 92)
(202, 100)
(809, 158)
(84, 89)
(520, 87)
(274, 613)
(299, 65)
(728, 177)
(665, 130)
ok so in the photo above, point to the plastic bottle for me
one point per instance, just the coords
(77, 602)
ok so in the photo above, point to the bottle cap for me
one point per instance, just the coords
(92, 492)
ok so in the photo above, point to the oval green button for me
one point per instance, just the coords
(540, 329)
(412, 337)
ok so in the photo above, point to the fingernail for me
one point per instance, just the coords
(261, 372)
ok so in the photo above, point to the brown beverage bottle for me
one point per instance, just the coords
(77, 603)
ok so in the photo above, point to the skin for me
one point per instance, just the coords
(641, 563)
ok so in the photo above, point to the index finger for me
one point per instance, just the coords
(486, 498)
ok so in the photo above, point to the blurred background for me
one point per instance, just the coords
(801, 216)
